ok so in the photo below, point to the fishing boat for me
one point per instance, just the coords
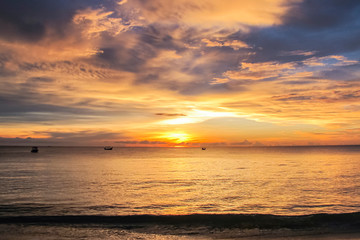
(34, 149)
(108, 148)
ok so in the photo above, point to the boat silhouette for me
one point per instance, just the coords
(34, 149)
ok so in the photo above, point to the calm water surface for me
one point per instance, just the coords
(130, 181)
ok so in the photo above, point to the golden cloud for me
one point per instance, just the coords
(206, 13)
(256, 71)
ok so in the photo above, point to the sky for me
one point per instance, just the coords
(179, 73)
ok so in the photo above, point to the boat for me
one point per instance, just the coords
(108, 148)
(203, 148)
(34, 149)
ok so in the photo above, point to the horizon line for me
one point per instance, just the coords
(181, 146)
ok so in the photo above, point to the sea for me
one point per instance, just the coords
(303, 192)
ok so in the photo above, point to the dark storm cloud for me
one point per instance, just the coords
(322, 27)
(323, 14)
(28, 20)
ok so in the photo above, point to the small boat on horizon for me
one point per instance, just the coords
(108, 148)
(34, 149)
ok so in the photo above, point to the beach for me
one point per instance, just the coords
(164, 232)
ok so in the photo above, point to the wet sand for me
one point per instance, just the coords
(92, 232)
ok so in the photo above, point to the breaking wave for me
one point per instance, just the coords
(240, 221)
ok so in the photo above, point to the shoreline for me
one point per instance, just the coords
(95, 231)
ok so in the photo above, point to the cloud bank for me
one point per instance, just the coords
(143, 71)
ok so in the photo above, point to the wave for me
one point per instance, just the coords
(349, 221)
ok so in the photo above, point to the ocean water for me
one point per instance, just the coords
(178, 193)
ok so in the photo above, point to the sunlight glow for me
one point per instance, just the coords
(177, 137)
(196, 116)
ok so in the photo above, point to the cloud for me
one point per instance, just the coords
(171, 114)
(29, 109)
(319, 15)
(195, 116)
(209, 13)
(144, 142)
(62, 31)
(235, 44)
(154, 66)
(298, 82)
(243, 143)
(33, 20)
(298, 53)
(246, 143)
(263, 70)
(73, 138)
(307, 28)
(292, 97)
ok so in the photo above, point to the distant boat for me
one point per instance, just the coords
(34, 149)
(108, 148)
(203, 148)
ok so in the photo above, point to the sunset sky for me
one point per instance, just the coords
(179, 73)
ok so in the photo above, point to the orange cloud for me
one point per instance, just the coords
(206, 13)
(256, 71)
(235, 44)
